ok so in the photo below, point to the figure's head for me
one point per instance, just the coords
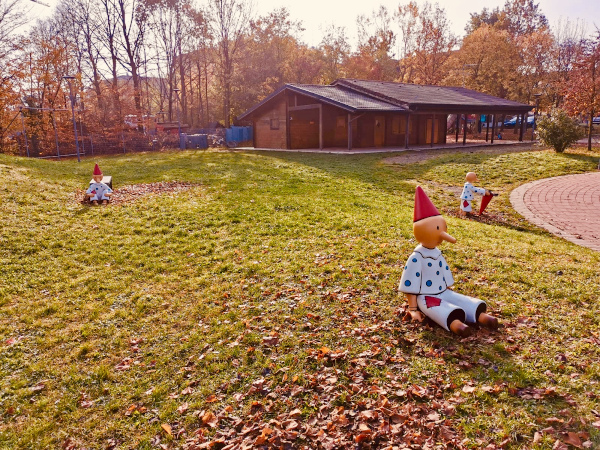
(471, 177)
(97, 176)
(432, 231)
(429, 227)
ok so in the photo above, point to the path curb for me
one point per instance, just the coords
(522, 202)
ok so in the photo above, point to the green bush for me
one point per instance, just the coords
(558, 130)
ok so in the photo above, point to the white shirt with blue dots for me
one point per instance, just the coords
(426, 272)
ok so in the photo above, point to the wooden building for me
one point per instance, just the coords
(359, 113)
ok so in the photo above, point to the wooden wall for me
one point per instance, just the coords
(270, 128)
(266, 120)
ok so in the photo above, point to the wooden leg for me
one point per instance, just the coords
(488, 321)
(457, 327)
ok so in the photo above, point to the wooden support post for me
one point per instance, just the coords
(487, 127)
(457, 125)
(523, 125)
(432, 129)
(407, 131)
(349, 131)
(320, 127)
(493, 127)
(288, 135)
(465, 130)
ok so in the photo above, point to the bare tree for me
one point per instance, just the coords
(229, 21)
(165, 26)
(80, 21)
(202, 58)
(132, 17)
(107, 16)
(407, 16)
(13, 14)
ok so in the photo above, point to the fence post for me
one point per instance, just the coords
(24, 131)
(55, 136)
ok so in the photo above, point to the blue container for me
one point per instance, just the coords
(197, 141)
(238, 134)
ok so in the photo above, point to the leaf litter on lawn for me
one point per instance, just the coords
(132, 193)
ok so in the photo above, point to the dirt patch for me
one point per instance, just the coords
(411, 157)
(131, 193)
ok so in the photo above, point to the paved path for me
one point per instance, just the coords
(568, 206)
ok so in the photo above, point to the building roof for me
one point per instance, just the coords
(352, 99)
(366, 95)
(340, 96)
(427, 97)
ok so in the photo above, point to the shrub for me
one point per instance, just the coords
(558, 130)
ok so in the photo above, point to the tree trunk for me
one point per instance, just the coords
(590, 130)
(182, 82)
(200, 106)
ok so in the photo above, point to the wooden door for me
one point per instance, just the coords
(304, 128)
(436, 131)
(379, 131)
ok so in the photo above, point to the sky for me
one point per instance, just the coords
(316, 15)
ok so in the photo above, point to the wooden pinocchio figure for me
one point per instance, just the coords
(427, 277)
(466, 198)
(98, 191)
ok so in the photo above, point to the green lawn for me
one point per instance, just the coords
(261, 304)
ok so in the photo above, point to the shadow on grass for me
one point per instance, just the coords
(400, 179)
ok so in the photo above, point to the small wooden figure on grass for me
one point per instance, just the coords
(427, 278)
(466, 198)
(98, 191)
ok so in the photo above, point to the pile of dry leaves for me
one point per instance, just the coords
(131, 193)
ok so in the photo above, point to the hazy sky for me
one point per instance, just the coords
(318, 14)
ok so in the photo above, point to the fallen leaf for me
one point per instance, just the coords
(572, 439)
(559, 446)
(295, 414)
(183, 408)
(210, 419)
(433, 417)
(270, 340)
(167, 428)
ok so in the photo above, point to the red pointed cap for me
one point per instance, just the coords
(423, 206)
(97, 170)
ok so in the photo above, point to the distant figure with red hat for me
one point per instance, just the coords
(427, 277)
(98, 191)
(466, 198)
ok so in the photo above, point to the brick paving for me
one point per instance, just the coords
(568, 206)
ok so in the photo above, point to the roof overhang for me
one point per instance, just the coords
(320, 98)
(510, 107)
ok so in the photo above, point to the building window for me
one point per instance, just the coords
(340, 122)
(274, 124)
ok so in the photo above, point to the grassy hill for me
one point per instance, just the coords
(255, 303)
